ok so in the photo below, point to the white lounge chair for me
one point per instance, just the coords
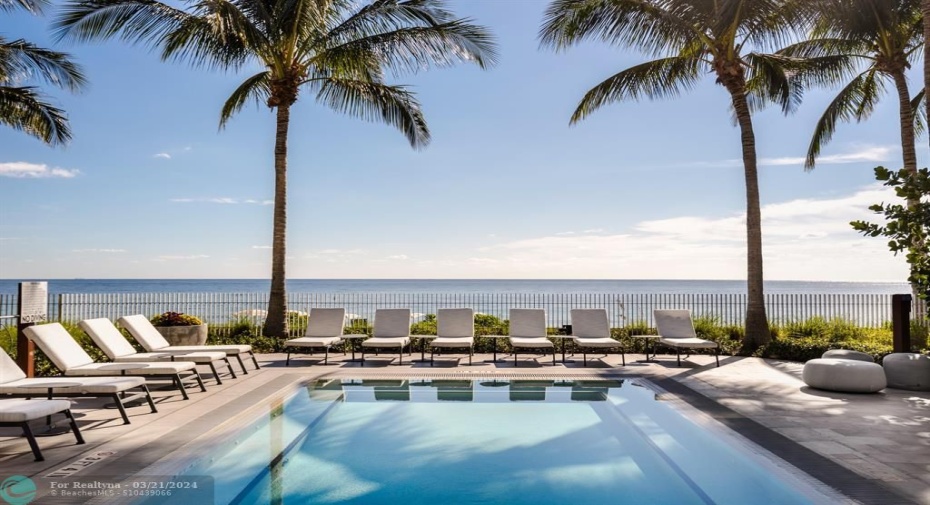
(676, 330)
(392, 331)
(18, 412)
(324, 330)
(455, 329)
(119, 350)
(528, 331)
(15, 384)
(61, 348)
(142, 330)
(591, 330)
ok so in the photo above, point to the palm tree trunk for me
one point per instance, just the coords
(908, 150)
(757, 325)
(276, 320)
(925, 9)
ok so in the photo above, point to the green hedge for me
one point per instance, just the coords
(799, 341)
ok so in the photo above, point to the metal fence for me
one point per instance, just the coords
(867, 310)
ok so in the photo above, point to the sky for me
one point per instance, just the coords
(150, 187)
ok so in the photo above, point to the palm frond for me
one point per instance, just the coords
(855, 101)
(257, 88)
(769, 80)
(417, 48)
(31, 6)
(918, 105)
(373, 101)
(143, 21)
(24, 109)
(667, 77)
(651, 27)
(24, 60)
(218, 35)
(826, 71)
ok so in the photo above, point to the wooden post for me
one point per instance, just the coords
(32, 307)
(901, 323)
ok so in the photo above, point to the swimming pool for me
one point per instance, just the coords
(490, 441)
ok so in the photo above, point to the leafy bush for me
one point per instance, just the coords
(175, 319)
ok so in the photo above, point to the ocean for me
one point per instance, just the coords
(433, 286)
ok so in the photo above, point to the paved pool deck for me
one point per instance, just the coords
(871, 448)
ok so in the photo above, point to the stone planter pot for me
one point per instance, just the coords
(184, 335)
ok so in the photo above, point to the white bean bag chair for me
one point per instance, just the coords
(845, 375)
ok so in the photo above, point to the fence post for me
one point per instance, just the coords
(901, 323)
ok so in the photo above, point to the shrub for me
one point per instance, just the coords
(175, 319)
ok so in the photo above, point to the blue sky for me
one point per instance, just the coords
(150, 188)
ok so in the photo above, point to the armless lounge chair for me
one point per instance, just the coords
(455, 329)
(676, 330)
(142, 330)
(324, 330)
(591, 330)
(392, 331)
(61, 348)
(528, 331)
(16, 412)
(15, 384)
(119, 350)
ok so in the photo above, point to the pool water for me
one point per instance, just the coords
(488, 442)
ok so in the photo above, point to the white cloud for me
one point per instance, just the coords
(594, 230)
(164, 156)
(860, 154)
(108, 251)
(261, 247)
(182, 257)
(398, 257)
(24, 170)
(221, 201)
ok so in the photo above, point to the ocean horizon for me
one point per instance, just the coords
(534, 286)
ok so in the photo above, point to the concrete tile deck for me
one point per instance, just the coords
(873, 448)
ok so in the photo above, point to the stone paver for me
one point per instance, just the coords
(883, 437)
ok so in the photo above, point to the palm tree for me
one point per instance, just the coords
(337, 50)
(24, 108)
(860, 44)
(690, 38)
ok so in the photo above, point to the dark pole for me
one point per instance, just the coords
(25, 349)
(901, 323)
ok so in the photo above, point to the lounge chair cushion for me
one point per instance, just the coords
(142, 330)
(89, 385)
(312, 342)
(9, 370)
(147, 368)
(14, 410)
(107, 337)
(325, 322)
(455, 323)
(452, 342)
(386, 342)
(392, 323)
(195, 357)
(590, 323)
(58, 345)
(527, 323)
(605, 342)
(228, 349)
(533, 342)
(689, 343)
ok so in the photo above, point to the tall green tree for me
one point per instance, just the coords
(337, 50)
(861, 45)
(23, 107)
(691, 38)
